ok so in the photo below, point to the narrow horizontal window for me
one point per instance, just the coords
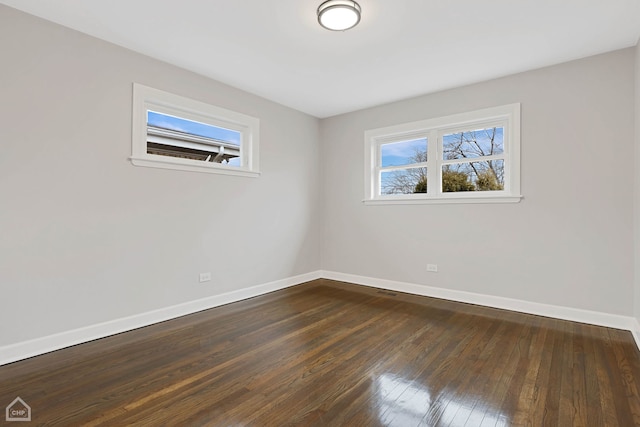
(173, 132)
(186, 139)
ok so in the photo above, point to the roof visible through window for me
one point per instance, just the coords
(169, 122)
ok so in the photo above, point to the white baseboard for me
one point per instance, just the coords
(558, 312)
(635, 331)
(35, 347)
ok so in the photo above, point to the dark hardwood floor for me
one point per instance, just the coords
(332, 354)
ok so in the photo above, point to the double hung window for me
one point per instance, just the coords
(464, 158)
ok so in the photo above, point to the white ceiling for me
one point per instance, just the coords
(400, 49)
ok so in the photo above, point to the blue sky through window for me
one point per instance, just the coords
(402, 153)
(192, 127)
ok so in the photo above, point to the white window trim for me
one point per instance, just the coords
(433, 129)
(146, 98)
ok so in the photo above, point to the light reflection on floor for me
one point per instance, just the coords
(405, 403)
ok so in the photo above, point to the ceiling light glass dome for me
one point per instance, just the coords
(339, 15)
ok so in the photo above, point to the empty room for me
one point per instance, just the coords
(320, 213)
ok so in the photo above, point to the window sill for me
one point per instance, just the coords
(185, 165)
(443, 200)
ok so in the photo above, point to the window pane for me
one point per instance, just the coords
(187, 139)
(473, 143)
(473, 176)
(166, 121)
(404, 181)
(404, 152)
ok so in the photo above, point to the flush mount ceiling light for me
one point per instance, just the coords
(339, 15)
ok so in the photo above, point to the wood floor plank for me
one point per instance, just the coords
(579, 374)
(591, 382)
(605, 375)
(565, 404)
(625, 354)
(329, 353)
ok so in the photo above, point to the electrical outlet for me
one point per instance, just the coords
(205, 277)
(432, 267)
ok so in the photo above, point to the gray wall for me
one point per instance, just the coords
(569, 242)
(88, 237)
(636, 212)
